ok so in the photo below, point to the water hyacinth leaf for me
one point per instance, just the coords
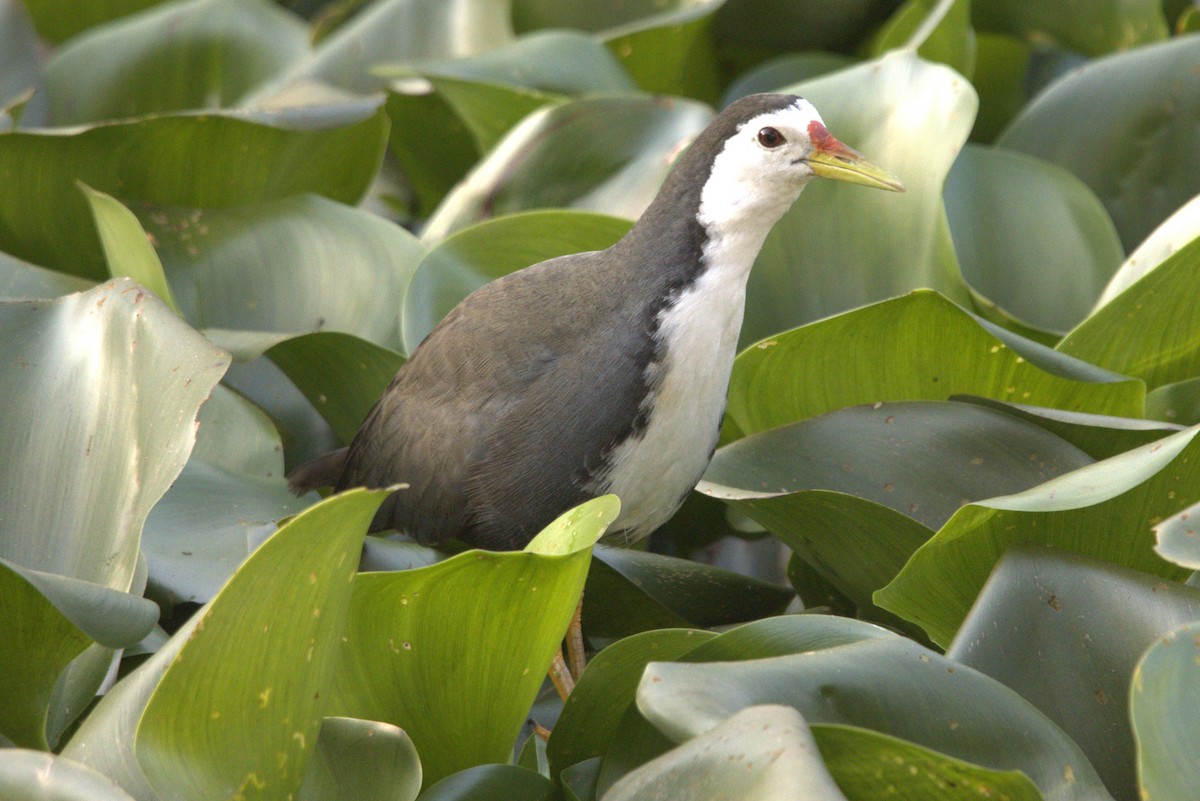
(198, 161)
(1128, 493)
(1164, 712)
(398, 31)
(592, 712)
(318, 265)
(511, 611)
(883, 352)
(38, 776)
(677, 592)
(467, 260)
(763, 752)
(126, 249)
(1002, 64)
(1065, 232)
(890, 685)
(902, 112)
(1178, 540)
(362, 759)
(1099, 436)
(671, 51)
(429, 141)
(603, 154)
(1080, 625)
(20, 280)
(1095, 28)
(1176, 231)
(870, 765)
(490, 110)
(182, 55)
(486, 782)
(57, 23)
(239, 686)
(19, 62)
(107, 460)
(1105, 122)
(950, 40)
(579, 781)
(340, 374)
(784, 71)
(1177, 403)
(1152, 329)
(743, 39)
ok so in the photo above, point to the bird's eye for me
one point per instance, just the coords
(770, 138)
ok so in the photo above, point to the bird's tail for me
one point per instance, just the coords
(324, 471)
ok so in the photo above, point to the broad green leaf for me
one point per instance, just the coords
(837, 247)
(58, 23)
(197, 160)
(1050, 273)
(761, 752)
(38, 776)
(1176, 232)
(1152, 329)
(670, 51)
(127, 250)
(602, 154)
(890, 685)
(870, 765)
(1178, 540)
(1105, 510)
(490, 110)
(1001, 71)
(430, 143)
(579, 780)
(240, 688)
(742, 37)
(1164, 711)
(946, 38)
(1099, 436)
(296, 265)
(784, 71)
(20, 280)
(362, 759)
(1094, 28)
(407, 31)
(916, 347)
(462, 692)
(1177, 403)
(467, 260)
(630, 591)
(1083, 624)
(592, 712)
(487, 782)
(1106, 123)
(188, 54)
(123, 377)
(340, 374)
(19, 61)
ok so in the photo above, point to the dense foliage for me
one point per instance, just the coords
(969, 411)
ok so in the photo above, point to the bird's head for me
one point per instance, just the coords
(763, 149)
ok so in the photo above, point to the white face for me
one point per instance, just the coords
(761, 170)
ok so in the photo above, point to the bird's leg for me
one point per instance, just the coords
(560, 676)
(575, 651)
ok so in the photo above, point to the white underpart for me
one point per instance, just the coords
(742, 199)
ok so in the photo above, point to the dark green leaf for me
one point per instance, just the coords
(361, 759)
(1164, 712)
(1095, 28)
(487, 782)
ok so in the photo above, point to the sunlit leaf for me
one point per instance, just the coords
(38, 776)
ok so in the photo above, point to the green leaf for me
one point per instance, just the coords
(1177, 538)
(462, 692)
(1177, 403)
(58, 23)
(1001, 69)
(1164, 710)
(784, 71)
(917, 347)
(890, 685)
(870, 765)
(670, 51)
(1052, 272)
(38, 776)
(602, 154)
(1176, 232)
(1095, 28)
(1084, 623)
(743, 38)
(341, 375)
(126, 249)
(761, 752)
(1151, 330)
(1123, 124)
(1105, 510)
(818, 260)
(362, 759)
(190, 54)
(950, 40)
(199, 161)
(630, 591)
(486, 782)
(20, 280)
(467, 260)
(19, 60)
(240, 687)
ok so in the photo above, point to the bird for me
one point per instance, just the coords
(599, 372)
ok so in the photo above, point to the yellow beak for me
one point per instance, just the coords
(831, 159)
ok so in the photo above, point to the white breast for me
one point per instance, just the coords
(651, 474)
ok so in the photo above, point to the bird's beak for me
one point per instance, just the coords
(831, 159)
